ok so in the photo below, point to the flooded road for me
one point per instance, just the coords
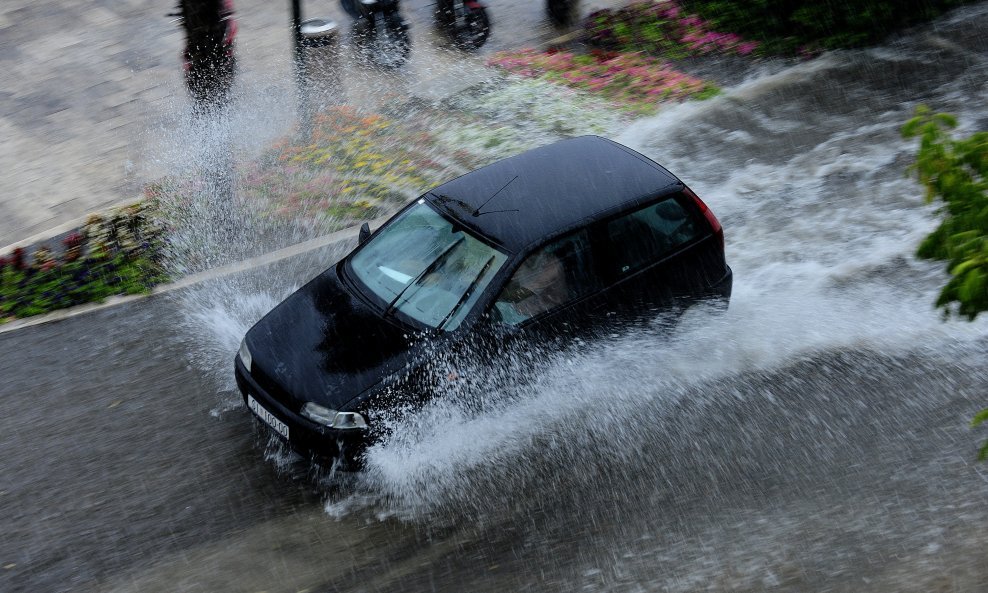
(812, 438)
(843, 471)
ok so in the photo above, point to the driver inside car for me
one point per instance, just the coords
(538, 285)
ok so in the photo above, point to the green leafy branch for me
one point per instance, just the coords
(979, 419)
(956, 172)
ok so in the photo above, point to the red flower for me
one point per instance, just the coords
(73, 240)
(17, 258)
(73, 246)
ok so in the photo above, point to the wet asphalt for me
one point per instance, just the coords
(125, 469)
(127, 465)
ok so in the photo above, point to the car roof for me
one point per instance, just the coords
(519, 201)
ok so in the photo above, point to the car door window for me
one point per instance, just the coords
(646, 235)
(553, 276)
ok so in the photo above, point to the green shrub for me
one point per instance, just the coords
(788, 25)
(979, 419)
(660, 28)
(956, 172)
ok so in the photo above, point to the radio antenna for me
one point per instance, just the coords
(478, 212)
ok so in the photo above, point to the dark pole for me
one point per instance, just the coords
(297, 39)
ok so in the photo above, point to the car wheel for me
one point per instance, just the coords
(472, 28)
(561, 12)
(350, 7)
(384, 42)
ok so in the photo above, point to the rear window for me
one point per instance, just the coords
(645, 236)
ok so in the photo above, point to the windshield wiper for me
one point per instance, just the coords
(428, 270)
(451, 200)
(467, 293)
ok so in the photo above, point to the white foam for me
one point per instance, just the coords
(821, 226)
(822, 243)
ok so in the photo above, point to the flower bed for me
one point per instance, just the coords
(633, 81)
(660, 28)
(356, 165)
(629, 63)
(521, 113)
(353, 165)
(111, 255)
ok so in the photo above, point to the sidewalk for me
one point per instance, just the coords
(84, 86)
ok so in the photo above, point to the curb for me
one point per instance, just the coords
(562, 39)
(188, 281)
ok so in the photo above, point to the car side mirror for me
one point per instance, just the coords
(364, 234)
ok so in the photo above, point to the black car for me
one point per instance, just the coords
(568, 238)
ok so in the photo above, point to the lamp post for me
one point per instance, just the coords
(316, 62)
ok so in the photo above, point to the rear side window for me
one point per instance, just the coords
(645, 236)
(552, 277)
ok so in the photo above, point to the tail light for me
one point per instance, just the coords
(709, 215)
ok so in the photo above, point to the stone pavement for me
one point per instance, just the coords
(88, 88)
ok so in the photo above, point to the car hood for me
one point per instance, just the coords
(325, 345)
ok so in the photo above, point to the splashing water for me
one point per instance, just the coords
(821, 227)
(805, 169)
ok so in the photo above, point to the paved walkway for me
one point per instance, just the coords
(88, 88)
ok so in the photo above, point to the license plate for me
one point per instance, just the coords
(268, 418)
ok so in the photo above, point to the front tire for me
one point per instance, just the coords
(394, 43)
(351, 8)
(561, 12)
(383, 41)
(472, 29)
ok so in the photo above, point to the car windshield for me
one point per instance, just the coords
(427, 267)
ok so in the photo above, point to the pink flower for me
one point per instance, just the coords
(747, 47)
(691, 21)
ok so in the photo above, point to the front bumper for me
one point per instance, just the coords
(321, 443)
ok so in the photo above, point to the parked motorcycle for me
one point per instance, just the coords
(465, 21)
(379, 30)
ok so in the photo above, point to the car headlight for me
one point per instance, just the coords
(349, 421)
(332, 418)
(244, 354)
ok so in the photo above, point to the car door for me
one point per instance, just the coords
(557, 291)
(652, 260)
